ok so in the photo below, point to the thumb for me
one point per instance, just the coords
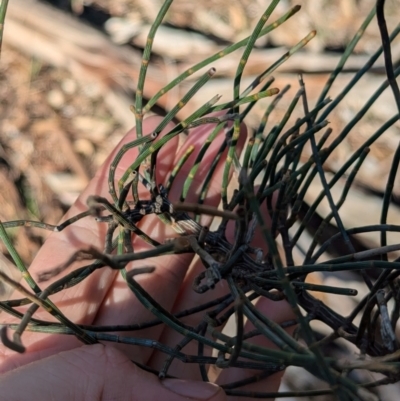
(100, 373)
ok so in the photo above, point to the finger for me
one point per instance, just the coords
(100, 373)
(81, 303)
(188, 298)
(279, 312)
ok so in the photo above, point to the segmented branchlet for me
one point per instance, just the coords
(269, 176)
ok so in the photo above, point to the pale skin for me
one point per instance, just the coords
(60, 367)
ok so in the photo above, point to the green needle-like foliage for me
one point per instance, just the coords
(270, 184)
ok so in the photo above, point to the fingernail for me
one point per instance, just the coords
(192, 389)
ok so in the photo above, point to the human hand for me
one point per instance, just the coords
(57, 366)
